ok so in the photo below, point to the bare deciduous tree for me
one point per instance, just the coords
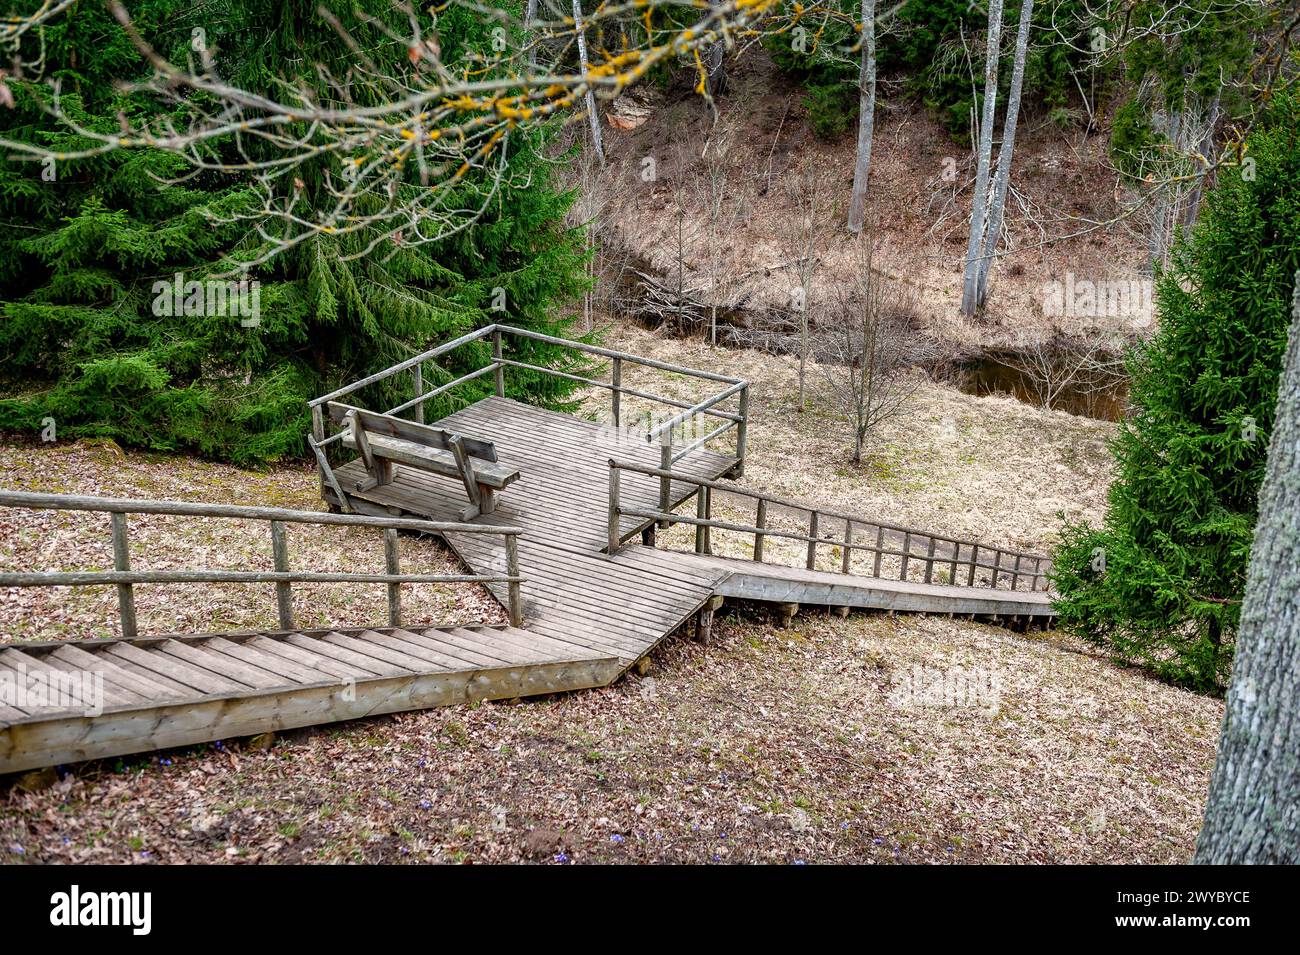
(867, 347)
(984, 155)
(718, 187)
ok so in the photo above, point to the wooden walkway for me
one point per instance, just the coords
(551, 546)
(625, 604)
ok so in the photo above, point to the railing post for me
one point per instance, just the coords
(997, 567)
(760, 521)
(742, 431)
(952, 567)
(318, 433)
(514, 604)
(393, 563)
(848, 546)
(1015, 576)
(616, 391)
(702, 543)
(812, 542)
(974, 563)
(122, 561)
(880, 550)
(283, 589)
(665, 464)
(907, 555)
(929, 561)
(497, 355)
(614, 526)
(417, 383)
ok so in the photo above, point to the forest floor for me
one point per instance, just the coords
(874, 738)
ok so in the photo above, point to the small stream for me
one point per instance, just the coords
(1092, 396)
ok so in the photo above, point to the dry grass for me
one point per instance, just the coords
(992, 469)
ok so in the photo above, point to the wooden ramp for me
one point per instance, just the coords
(176, 691)
(748, 580)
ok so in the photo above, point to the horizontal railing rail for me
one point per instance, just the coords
(125, 579)
(937, 550)
(661, 433)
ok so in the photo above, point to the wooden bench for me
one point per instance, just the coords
(383, 441)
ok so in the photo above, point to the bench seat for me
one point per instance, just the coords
(384, 441)
(492, 474)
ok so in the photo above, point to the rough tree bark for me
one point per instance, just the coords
(1253, 812)
(866, 116)
(979, 200)
(1003, 181)
(591, 98)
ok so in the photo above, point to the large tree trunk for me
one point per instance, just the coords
(979, 200)
(866, 116)
(1003, 181)
(591, 98)
(1253, 811)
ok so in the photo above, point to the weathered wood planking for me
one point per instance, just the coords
(161, 692)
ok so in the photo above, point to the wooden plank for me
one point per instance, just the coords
(114, 693)
(279, 666)
(198, 679)
(426, 657)
(306, 659)
(218, 663)
(331, 650)
(151, 686)
(369, 648)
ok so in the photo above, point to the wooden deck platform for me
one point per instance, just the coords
(574, 593)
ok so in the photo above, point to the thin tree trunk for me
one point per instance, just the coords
(591, 96)
(1193, 205)
(979, 200)
(866, 116)
(1253, 811)
(530, 14)
(1003, 181)
(713, 64)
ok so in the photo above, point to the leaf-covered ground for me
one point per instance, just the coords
(790, 746)
(868, 739)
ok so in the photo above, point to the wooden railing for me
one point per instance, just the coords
(125, 579)
(661, 433)
(878, 539)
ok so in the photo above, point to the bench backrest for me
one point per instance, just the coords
(422, 434)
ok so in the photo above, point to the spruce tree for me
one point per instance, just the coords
(1160, 583)
(80, 340)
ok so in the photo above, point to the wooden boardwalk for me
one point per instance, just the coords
(552, 544)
